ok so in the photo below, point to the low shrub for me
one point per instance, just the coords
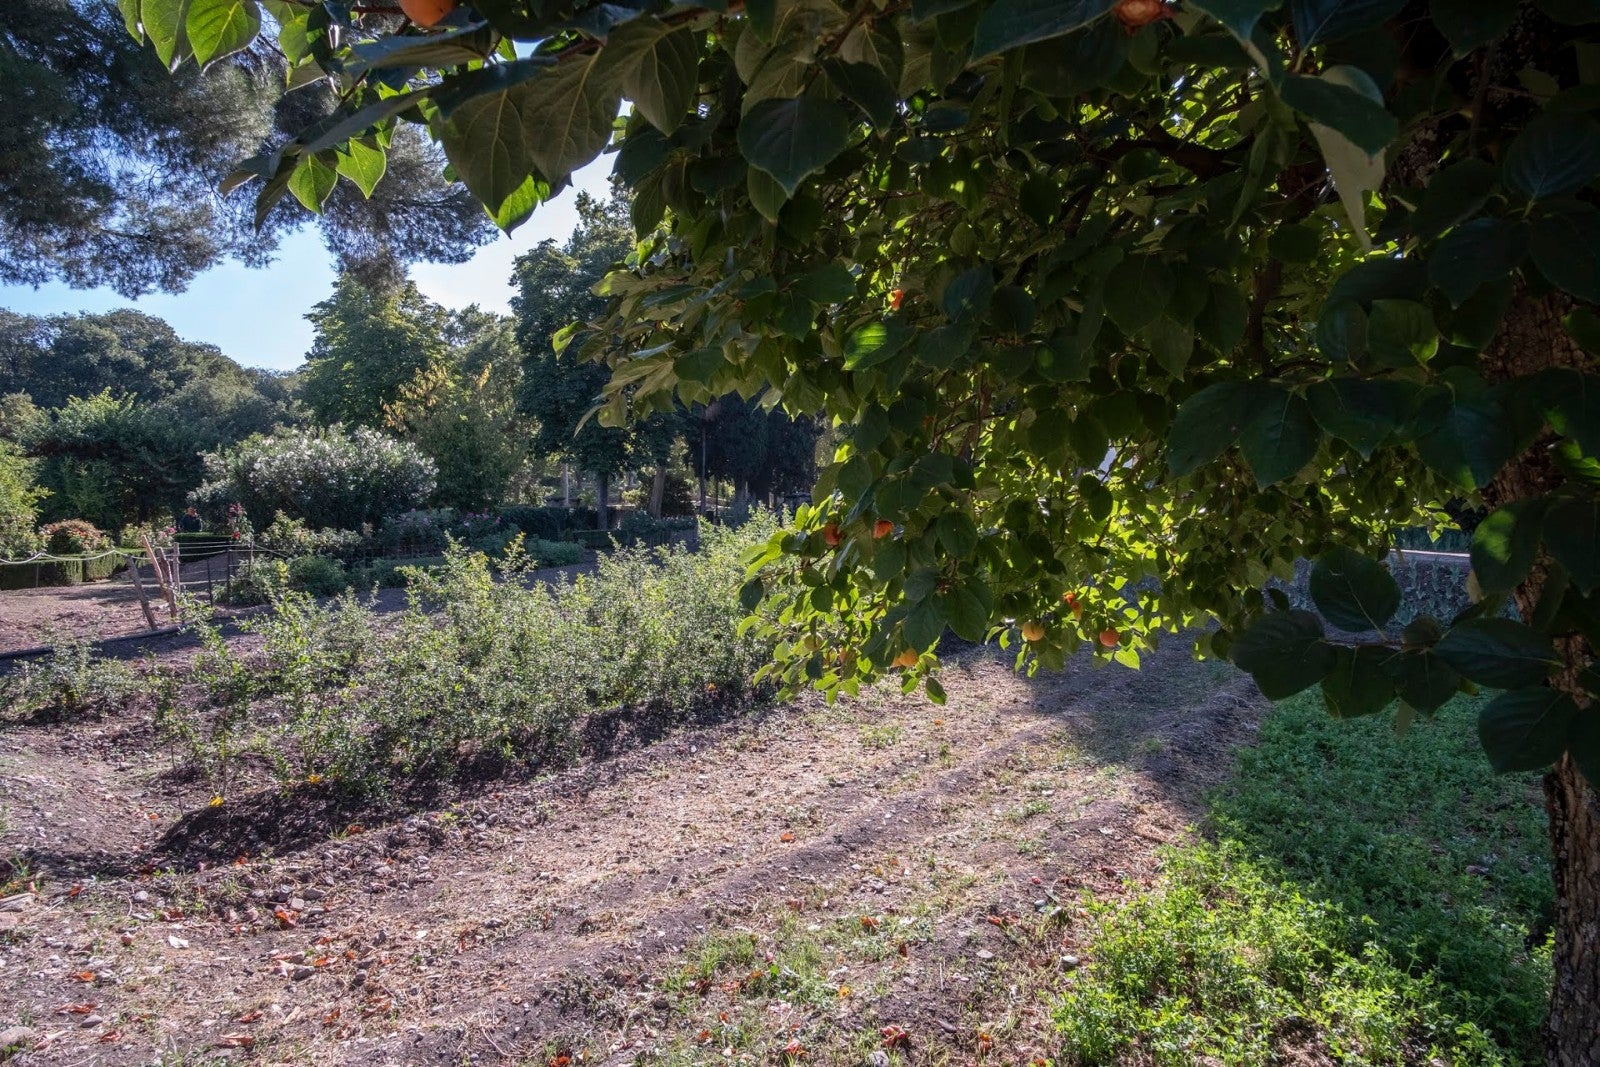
(477, 669)
(555, 553)
(71, 681)
(73, 537)
(317, 575)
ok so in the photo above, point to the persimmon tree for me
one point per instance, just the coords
(1121, 308)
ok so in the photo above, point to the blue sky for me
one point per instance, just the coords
(258, 316)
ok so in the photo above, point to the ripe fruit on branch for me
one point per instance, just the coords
(1134, 14)
(427, 12)
(831, 534)
(1071, 601)
(896, 298)
(1110, 638)
(1033, 630)
(907, 658)
(882, 528)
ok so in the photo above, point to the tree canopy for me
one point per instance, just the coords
(110, 160)
(1122, 309)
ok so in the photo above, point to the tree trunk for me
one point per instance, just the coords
(602, 496)
(658, 490)
(1532, 339)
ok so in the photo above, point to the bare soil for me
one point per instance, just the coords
(874, 882)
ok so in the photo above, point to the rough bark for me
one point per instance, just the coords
(1532, 339)
(658, 490)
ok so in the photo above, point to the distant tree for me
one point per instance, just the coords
(220, 410)
(19, 501)
(20, 417)
(371, 341)
(112, 461)
(463, 412)
(57, 357)
(328, 478)
(558, 389)
(759, 451)
(111, 164)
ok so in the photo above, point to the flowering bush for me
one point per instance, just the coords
(72, 537)
(330, 478)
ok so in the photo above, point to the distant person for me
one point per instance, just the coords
(189, 522)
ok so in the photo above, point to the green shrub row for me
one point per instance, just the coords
(477, 670)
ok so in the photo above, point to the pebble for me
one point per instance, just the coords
(1069, 963)
(300, 972)
(141, 897)
(91, 1021)
(16, 1038)
(878, 1058)
(985, 954)
(313, 893)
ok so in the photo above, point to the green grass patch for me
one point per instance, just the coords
(1382, 900)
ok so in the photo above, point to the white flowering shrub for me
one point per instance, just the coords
(330, 478)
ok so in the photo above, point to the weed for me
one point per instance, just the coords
(886, 735)
(72, 681)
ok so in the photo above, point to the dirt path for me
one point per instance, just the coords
(880, 881)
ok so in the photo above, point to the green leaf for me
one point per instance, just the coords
(567, 114)
(486, 138)
(165, 24)
(1423, 680)
(313, 179)
(1342, 331)
(1355, 170)
(1465, 440)
(1453, 194)
(1566, 249)
(866, 86)
(766, 194)
(1360, 413)
(1319, 21)
(751, 594)
(1137, 291)
(966, 608)
(659, 66)
(1171, 343)
(363, 162)
(1008, 24)
(957, 534)
(1505, 543)
(790, 139)
(408, 53)
(1358, 684)
(924, 624)
(701, 365)
(1574, 403)
(831, 283)
(1470, 24)
(1554, 154)
(1280, 439)
(1572, 536)
(1355, 113)
(969, 294)
(1285, 653)
(1209, 422)
(1526, 729)
(1476, 253)
(1239, 16)
(1401, 333)
(129, 10)
(1353, 592)
(1497, 652)
(218, 28)
(874, 342)
(1221, 324)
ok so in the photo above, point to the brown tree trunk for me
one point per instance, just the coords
(1532, 339)
(658, 490)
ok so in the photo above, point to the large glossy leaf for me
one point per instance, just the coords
(1572, 534)
(1358, 684)
(363, 162)
(1467, 440)
(1554, 154)
(1566, 249)
(1453, 194)
(1284, 652)
(1357, 113)
(1505, 543)
(486, 139)
(1137, 291)
(791, 139)
(165, 24)
(1240, 16)
(1362, 414)
(1353, 592)
(313, 179)
(1497, 652)
(453, 48)
(1320, 21)
(1574, 407)
(1476, 253)
(218, 28)
(1470, 24)
(1422, 679)
(1526, 729)
(567, 114)
(659, 66)
(1008, 24)
(1356, 169)
(1280, 439)
(1209, 422)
